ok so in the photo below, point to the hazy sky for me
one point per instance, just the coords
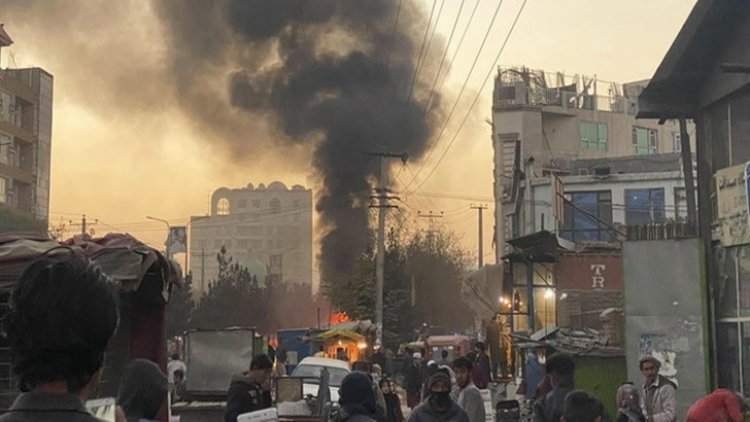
(123, 150)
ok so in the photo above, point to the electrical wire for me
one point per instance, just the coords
(476, 98)
(436, 140)
(442, 60)
(460, 43)
(421, 52)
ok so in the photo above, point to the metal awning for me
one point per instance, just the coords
(542, 246)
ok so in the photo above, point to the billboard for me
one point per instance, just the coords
(732, 205)
(589, 271)
(177, 240)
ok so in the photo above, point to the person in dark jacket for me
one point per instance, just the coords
(560, 370)
(414, 380)
(483, 360)
(582, 407)
(367, 369)
(143, 391)
(357, 398)
(250, 391)
(393, 411)
(439, 407)
(63, 313)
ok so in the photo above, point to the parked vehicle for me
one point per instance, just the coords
(310, 369)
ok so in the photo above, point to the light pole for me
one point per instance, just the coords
(187, 249)
(169, 231)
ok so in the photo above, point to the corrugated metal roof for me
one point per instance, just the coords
(672, 91)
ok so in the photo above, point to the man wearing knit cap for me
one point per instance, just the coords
(357, 399)
(440, 406)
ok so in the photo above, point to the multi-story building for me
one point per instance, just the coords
(557, 119)
(266, 229)
(25, 138)
(601, 197)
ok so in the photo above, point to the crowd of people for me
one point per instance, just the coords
(64, 312)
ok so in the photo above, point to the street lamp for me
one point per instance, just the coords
(169, 231)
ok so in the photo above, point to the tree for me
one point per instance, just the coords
(438, 267)
(429, 266)
(234, 299)
(180, 308)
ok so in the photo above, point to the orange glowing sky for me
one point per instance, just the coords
(122, 149)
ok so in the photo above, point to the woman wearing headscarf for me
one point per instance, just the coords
(357, 399)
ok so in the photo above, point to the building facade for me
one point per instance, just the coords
(567, 234)
(25, 139)
(557, 119)
(267, 229)
(704, 77)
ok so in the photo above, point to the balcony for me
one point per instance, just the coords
(16, 173)
(17, 132)
(17, 87)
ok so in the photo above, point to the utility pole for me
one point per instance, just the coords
(203, 271)
(85, 224)
(381, 194)
(431, 216)
(479, 209)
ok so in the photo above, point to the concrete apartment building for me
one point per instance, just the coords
(25, 138)
(556, 119)
(267, 229)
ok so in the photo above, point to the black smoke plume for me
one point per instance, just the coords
(331, 73)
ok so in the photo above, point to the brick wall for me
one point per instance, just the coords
(583, 309)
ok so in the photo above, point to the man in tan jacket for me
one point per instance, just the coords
(658, 400)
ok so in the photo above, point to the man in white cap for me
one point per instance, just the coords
(414, 380)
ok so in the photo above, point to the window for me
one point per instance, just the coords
(593, 136)
(680, 202)
(588, 216)
(275, 205)
(676, 142)
(644, 141)
(296, 204)
(256, 203)
(242, 203)
(644, 206)
(3, 190)
(222, 206)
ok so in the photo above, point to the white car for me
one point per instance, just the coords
(310, 369)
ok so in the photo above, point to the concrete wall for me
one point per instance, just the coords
(664, 313)
(547, 135)
(564, 136)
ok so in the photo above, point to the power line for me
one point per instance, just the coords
(460, 43)
(442, 60)
(395, 24)
(429, 43)
(476, 98)
(436, 140)
(421, 51)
